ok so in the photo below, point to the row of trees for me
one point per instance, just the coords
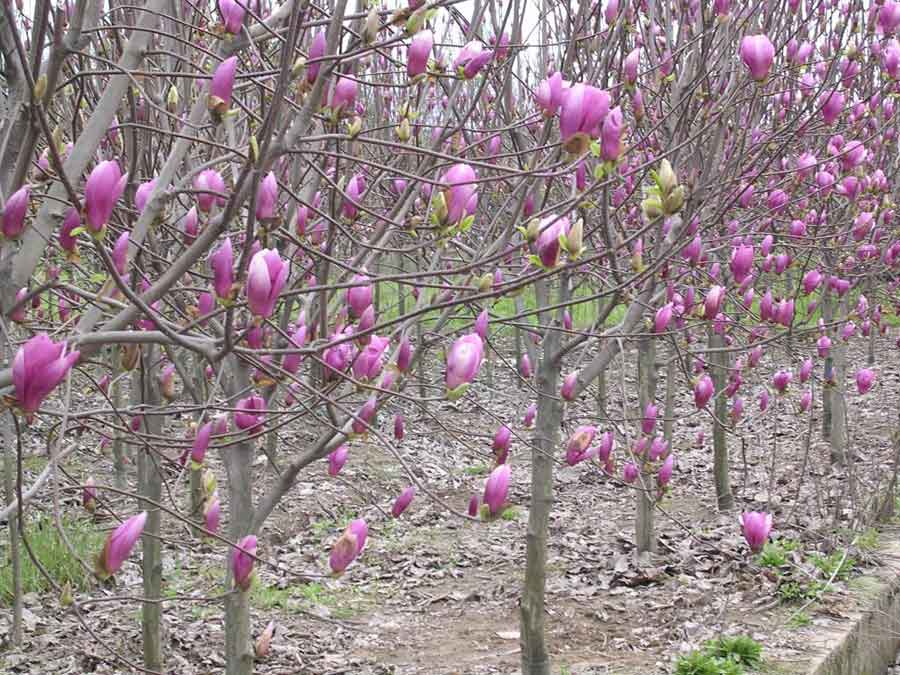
(233, 220)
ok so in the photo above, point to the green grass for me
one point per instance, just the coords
(722, 656)
(835, 564)
(791, 591)
(511, 513)
(698, 663)
(738, 648)
(477, 470)
(775, 553)
(799, 620)
(53, 555)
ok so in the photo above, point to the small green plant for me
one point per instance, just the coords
(795, 591)
(698, 663)
(269, 597)
(836, 564)
(51, 552)
(774, 553)
(510, 514)
(868, 540)
(477, 470)
(799, 620)
(738, 648)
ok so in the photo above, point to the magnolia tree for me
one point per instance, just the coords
(233, 220)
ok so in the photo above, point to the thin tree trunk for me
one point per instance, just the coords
(827, 404)
(838, 401)
(239, 466)
(721, 464)
(151, 487)
(15, 555)
(118, 452)
(669, 406)
(535, 657)
(644, 529)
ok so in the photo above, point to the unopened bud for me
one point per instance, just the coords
(40, 87)
(172, 98)
(666, 178)
(404, 131)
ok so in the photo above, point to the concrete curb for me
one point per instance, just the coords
(866, 642)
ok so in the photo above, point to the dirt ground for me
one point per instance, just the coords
(436, 594)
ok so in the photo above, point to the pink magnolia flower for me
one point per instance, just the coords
(222, 264)
(578, 443)
(530, 414)
(811, 281)
(142, 194)
(703, 391)
(201, 444)
(232, 12)
(806, 370)
(805, 400)
(212, 514)
(611, 135)
(865, 378)
(14, 212)
(501, 443)
(471, 59)
(665, 471)
(496, 488)
(404, 355)
(316, 52)
(461, 195)
(399, 427)
(119, 544)
(832, 104)
(481, 324)
(548, 241)
(66, 241)
(345, 92)
(353, 196)
(418, 53)
(189, 226)
(120, 254)
(662, 318)
(741, 262)
(583, 110)
(242, 559)
(549, 94)
(365, 416)
(250, 412)
(337, 458)
(757, 53)
(756, 526)
(101, 192)
(630, 472)
(267, 197)
(206, 183)
(265, 279)
(649, 421)
(403, 501)
(781, 380)
(39, 366)
(348, 546)
(463, 362)
(222, 85)
(359, 296)
(567, 390)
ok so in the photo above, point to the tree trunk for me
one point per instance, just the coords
(644, 530)
(239, 467)
(535, 658)
(838, 436)
(721, 464)
(15, 555)
(150, 486)
(669, 407)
